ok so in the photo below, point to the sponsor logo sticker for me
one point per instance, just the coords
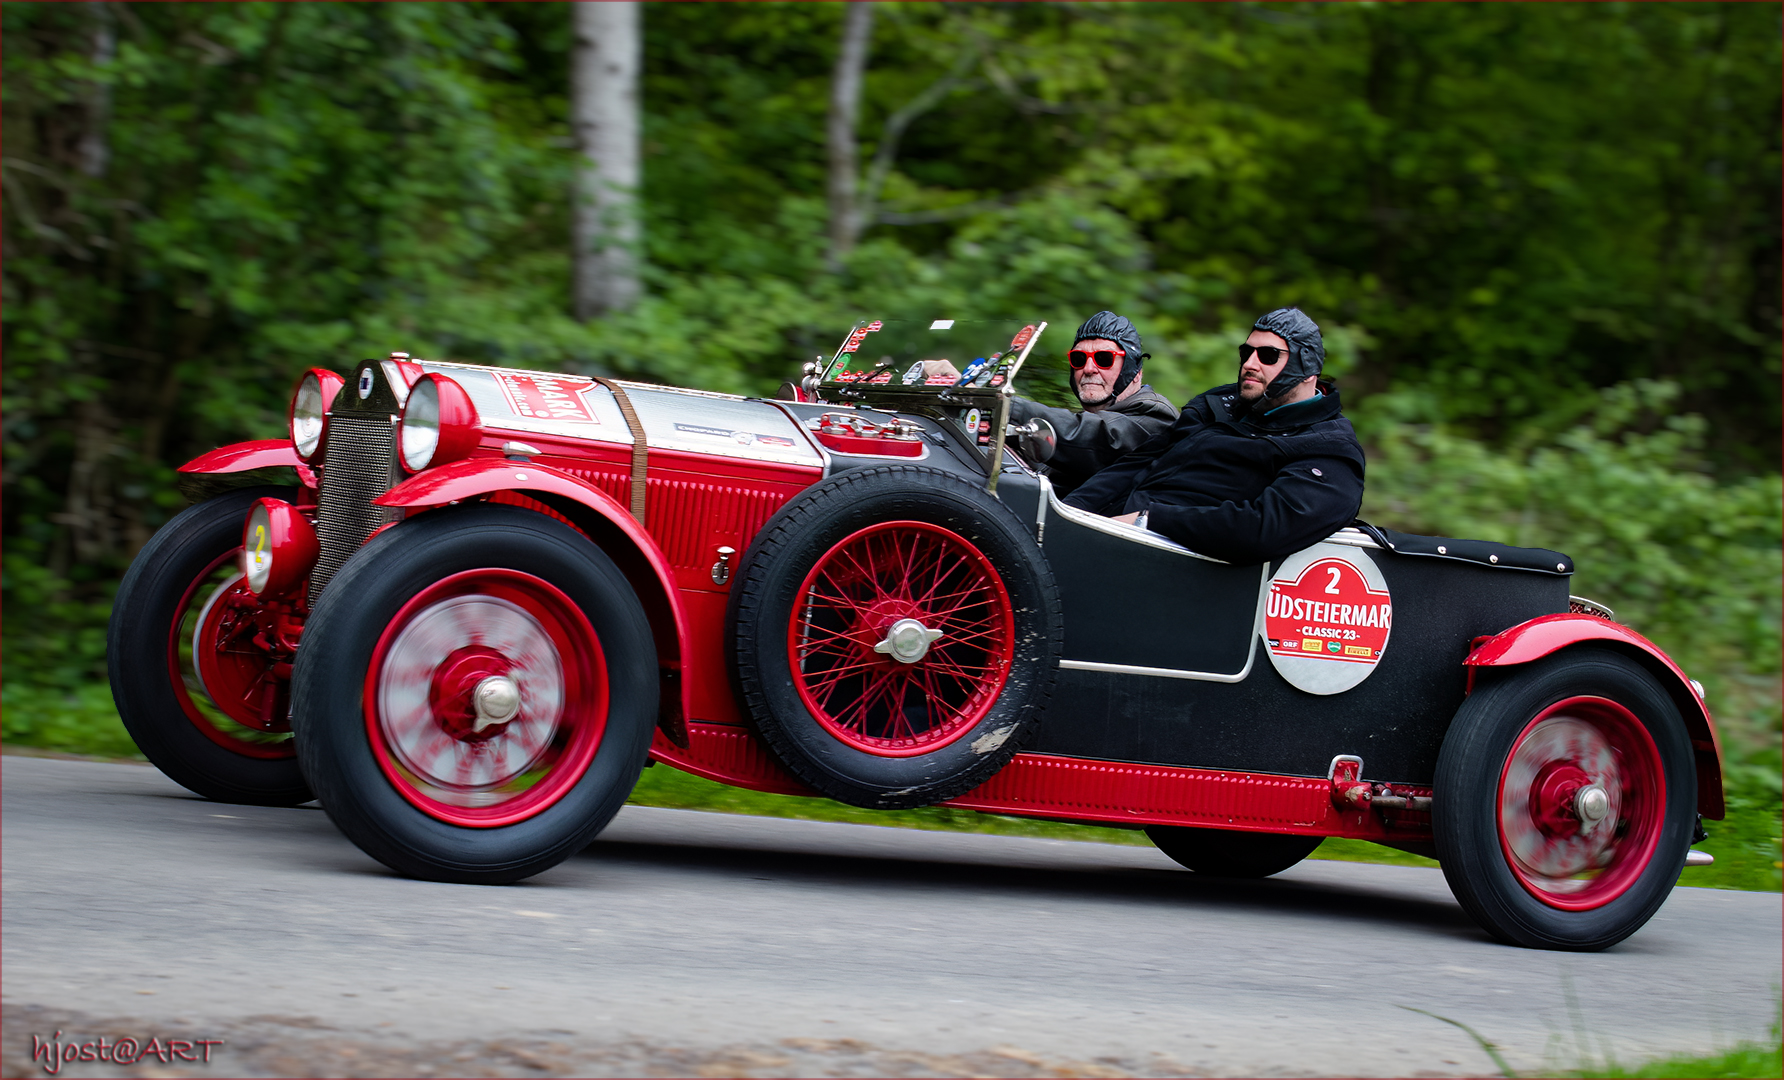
(544, 397)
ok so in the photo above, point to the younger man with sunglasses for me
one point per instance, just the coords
(1253, 470)
(1120, 414)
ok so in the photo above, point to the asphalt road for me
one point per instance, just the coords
(685, 943)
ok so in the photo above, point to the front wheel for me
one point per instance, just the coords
(1564, 801)
(194, 679)
(475, 695)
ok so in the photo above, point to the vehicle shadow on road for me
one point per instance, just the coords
(1380, 904)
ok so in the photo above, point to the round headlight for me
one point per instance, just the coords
(439, 423)
(421, 426)
(279, 548)
(309, 410)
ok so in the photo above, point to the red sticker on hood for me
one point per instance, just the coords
(546, 397)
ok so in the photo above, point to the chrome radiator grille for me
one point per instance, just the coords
(358, 465)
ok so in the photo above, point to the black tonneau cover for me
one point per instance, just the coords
(1480, 552)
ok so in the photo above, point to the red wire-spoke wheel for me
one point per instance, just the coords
(199, 667)
(895, 632)
(1582, 802)
(1564, 799)
(475, 694)
(486, 697)
(903, 638)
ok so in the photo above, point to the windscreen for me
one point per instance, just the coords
(918, 352)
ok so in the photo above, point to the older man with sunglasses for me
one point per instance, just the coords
(1120, 413)
(1254, 470)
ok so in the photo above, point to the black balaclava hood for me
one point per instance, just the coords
(1306, 349)
(1112, 327)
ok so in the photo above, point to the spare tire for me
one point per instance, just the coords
(895, 633)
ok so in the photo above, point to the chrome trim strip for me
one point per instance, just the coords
(1040, 510)
(1350, 537)
(1257, 632)
(1163, 673)
(1126, 532)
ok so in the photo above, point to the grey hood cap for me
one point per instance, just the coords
(1306, 349)
(1113, 327)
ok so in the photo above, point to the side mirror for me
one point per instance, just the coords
(1035, 439)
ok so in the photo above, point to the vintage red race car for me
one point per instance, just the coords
(462, 606)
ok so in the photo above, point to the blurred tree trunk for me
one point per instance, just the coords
(95, 149)
(604, 69)
(846, 219)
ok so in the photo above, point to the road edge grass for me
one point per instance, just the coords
(1744, 1060)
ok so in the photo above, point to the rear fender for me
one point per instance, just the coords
(1548, 634)
(588, 508)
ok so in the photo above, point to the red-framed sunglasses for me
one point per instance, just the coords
(1104, 358)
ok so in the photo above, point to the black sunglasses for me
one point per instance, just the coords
(1268, 354)
(1104, 358)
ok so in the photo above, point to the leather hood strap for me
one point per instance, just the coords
(640, 448)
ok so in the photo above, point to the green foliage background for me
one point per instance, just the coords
(1544, 240)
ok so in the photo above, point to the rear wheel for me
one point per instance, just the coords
(475, 695)
(194, 680)
(895, 633)
(1564, 801)
(1230, 853)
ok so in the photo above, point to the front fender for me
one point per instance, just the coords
(242, 456)
(471, 478)
(1548, 634)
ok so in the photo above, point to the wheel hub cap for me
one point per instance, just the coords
(907, 641)
(1591, 804)
(496, 700)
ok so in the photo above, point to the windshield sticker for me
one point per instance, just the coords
(1327, 618)
(741, 438)
(859, 335)
(543, 397)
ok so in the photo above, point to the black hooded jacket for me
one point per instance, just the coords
(1237, 486)
(1092, 441)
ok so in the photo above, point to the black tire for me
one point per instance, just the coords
(1231, 853)
(387, 625)
(961, 724)
(160, 698)
(1511, 821)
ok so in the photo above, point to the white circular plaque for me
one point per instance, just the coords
(1327, 618)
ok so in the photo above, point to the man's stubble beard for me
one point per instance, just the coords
(1108, 397)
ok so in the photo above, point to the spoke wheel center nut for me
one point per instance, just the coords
(907, 641)
(1591, 804)
(496, 700)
